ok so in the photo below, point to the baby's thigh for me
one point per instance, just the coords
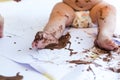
(102, 11)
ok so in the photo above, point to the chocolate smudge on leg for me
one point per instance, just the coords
(102, 14)
(87, 1)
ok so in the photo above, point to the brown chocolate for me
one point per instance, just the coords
(116, 36)
(115, 70)
(87, 1)
(79, 62)
(38, 36)
(17, 0)
(76, 1)
(71, 53)
(102, 14)
(30, 48)
(62, 42)
(17, 77)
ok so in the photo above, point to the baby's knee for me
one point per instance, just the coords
(102, 11)
(107, 9)
(111, 8)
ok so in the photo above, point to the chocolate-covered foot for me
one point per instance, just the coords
(106, 44)
(42, 39)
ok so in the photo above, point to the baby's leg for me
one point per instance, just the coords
(62, 15)
(1, 26)
(105, 16)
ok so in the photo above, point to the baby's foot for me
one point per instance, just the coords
(42, 39)
(106, 43)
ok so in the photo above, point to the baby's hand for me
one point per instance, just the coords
(17, 0)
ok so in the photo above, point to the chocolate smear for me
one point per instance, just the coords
(114, 70)
(116, 36)
(71, 53)
(17, 0)
(79, 62)
(90, 69)
(62, 42)
(17, 77)
(87, 1)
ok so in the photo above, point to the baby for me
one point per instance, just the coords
(2, 23)
(63, 14)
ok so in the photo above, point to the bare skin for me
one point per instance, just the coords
(59, 19)
(63, 14)
(104, 15)
(1, 26)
